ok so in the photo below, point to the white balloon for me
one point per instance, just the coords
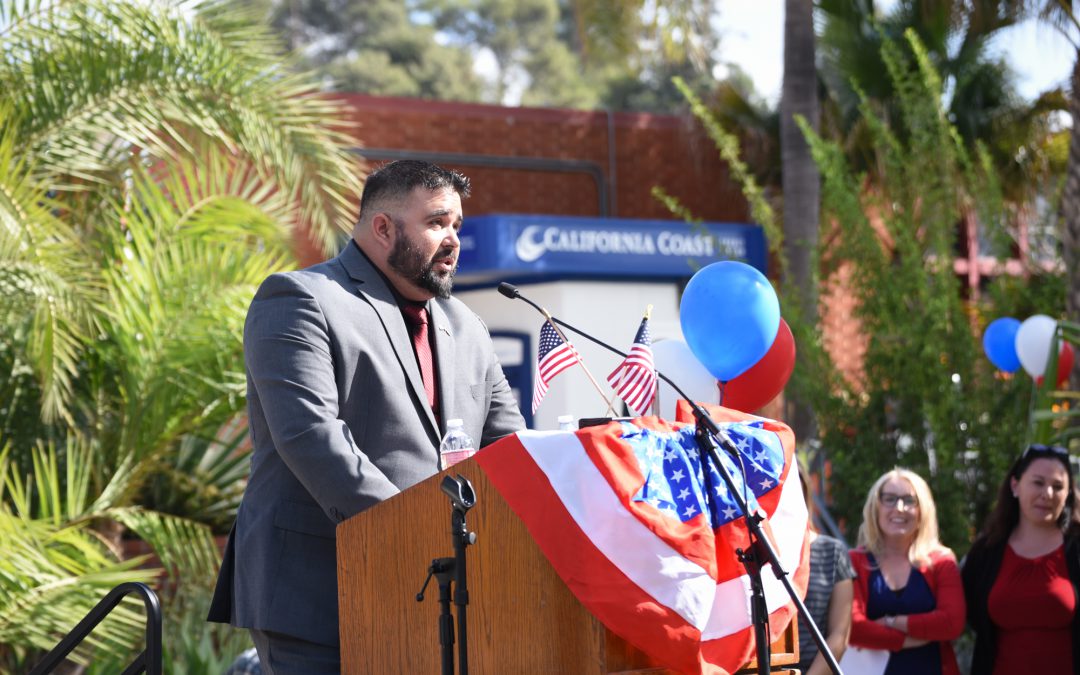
(1033, 343)
(674, 359)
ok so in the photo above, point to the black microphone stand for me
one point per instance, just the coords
(453, 571)
(761, 550)
(752, 558)
(462, 538)
(443, 570)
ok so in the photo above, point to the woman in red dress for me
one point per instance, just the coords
(1022, 576)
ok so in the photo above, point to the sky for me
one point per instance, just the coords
(752, 37)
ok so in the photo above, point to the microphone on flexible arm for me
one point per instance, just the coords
(511, 291)
(761, 550)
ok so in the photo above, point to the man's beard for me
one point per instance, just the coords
(407, 260)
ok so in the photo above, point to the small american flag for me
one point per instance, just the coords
(555, 356)
(634, 380)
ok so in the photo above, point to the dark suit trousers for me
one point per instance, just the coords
(285, 655)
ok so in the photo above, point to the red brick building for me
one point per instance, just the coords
(556, 162)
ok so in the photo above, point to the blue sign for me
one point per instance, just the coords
(499, 246)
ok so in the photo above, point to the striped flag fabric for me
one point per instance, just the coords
(634, 380)
(553, 357)
(643, 530)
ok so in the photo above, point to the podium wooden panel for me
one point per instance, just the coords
(521, 617)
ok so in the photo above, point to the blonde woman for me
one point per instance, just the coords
(908, 597)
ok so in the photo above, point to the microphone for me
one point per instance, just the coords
(511, 291)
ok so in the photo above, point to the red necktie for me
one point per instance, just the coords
(417, 317)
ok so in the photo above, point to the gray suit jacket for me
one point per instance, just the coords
(339, 422)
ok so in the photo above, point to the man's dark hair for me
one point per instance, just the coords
(398, 179)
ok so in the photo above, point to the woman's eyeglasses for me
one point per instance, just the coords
(891, 500)
(1045, 450)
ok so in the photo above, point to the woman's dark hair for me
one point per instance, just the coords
(1006, 513)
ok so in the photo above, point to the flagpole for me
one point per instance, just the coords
(656, 385)
(550, 320)
(634, 380)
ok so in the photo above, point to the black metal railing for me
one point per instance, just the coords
(149, 661)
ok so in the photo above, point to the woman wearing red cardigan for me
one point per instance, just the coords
(909, 599)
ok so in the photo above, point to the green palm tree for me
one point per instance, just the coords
(980, 98)
(157, 160)
(95, 88)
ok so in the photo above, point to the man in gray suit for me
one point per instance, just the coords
(349, 389)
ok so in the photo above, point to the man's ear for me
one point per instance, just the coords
(383, 230)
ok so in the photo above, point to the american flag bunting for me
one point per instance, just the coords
(643, 530)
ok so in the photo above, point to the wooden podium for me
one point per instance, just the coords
(521, 617)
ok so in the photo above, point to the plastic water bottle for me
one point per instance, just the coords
(456, 444)
(566, 423)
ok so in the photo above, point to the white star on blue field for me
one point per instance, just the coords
(676, 485)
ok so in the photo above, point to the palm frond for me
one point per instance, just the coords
(45, 281)
(54, 568)
(161, 75)
(194, 250)
(58, 487)
(51, 577)
(184, 547)
(203, 478)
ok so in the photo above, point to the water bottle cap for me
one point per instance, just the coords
(451, 424)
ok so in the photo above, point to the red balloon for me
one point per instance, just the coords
(1066, 359)
(766, 378)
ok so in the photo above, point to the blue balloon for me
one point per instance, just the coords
(730, 316)
(999, 343)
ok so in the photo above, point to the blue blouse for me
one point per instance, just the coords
(914, 598)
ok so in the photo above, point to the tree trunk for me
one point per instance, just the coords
(801, 180)
(1070, 216)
